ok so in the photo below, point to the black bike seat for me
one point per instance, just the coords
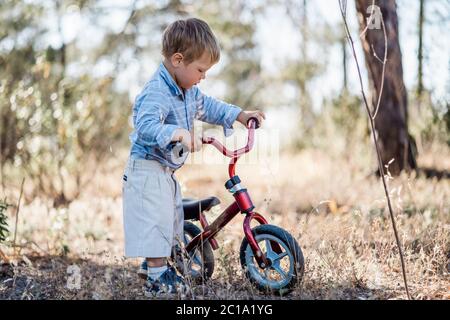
(193, 207)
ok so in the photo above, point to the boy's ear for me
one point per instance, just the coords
(176, 59)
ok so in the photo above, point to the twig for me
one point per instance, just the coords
(27, 244)
(370, 18)
(363, 33)
(380, 163)
(17, 213)
(384, 65)
(3, 257)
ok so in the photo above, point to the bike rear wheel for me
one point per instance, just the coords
(286, 267)
(197, 265)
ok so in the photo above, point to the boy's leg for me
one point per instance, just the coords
(147, 263)
(156, 262)
(156, 267)
(162, 279)
(175, 203)
(148, 214)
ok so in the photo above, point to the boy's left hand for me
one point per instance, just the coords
(244, 116)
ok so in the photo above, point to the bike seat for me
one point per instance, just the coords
(193, 207)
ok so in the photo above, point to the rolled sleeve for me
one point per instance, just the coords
(215, 111)
(150, 127)
(164, 137)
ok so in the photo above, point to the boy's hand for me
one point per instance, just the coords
(244, 116)
(191, 141)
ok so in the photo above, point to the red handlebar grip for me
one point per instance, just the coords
(257, 124)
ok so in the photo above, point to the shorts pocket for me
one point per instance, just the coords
(125, 179)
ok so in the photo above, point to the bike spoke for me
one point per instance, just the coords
(266, 275)
(197, 262)
(196, 259)
(269, 250)
(278, 269)
(282, 255)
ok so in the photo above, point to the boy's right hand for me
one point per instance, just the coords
(191, 141)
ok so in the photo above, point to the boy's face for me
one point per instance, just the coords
(188, 75)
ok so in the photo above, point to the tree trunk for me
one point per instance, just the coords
(391, 122)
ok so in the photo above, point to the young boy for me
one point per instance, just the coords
(164, 113)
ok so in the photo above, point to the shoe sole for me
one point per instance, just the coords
(160, 294)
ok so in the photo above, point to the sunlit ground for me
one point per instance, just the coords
(332, 205)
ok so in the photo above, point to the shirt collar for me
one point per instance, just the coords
(164, 73)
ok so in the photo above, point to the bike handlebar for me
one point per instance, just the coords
(252, 124)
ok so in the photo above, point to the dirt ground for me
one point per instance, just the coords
(336, 210)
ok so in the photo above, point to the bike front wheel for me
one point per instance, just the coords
(286, 265)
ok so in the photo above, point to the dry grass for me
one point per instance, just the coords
(329, 202)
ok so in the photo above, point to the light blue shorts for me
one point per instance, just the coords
(152, 209)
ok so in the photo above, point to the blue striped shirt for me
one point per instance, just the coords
(161, 108)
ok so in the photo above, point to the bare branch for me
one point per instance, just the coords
(17, 212)
(380, 163)
(368, 22)
(384, 65)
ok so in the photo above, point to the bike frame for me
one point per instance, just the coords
(210, 230)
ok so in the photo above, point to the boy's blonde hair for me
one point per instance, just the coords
(190, 37)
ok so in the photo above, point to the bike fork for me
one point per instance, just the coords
(259, 256)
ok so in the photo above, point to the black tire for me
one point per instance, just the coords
(203, 259)
(288, 243)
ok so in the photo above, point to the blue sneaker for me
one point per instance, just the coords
(167, 284)
(143, 270)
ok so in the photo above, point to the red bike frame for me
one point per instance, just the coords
(241, 201)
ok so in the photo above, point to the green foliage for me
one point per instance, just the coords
(3, 221)
(439, 127)
(59, 124)
(52, 122)
(347, 110)
(236, 35)
(429, 120)
(446, 119)
(341, 126)
(56, 125)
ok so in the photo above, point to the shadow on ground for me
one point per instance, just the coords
(57, 277)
